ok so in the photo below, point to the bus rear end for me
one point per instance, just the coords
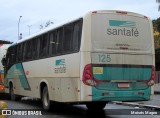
(122, 57)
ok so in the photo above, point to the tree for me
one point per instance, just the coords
(156, 24)
(41, 27)
(156, 29)
(48, 23)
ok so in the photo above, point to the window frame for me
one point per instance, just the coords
(28, 45)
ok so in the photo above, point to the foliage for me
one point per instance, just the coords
(156, 24)
(48, 23)
(156, 31)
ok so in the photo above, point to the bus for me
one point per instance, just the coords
(105, 55)
(3, 48)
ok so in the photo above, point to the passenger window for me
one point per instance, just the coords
(44, 45)
(20, 52)
(52, 43)
(35, 48)
(77, 35)
(29, 50)
(67, 40)
(59, 41)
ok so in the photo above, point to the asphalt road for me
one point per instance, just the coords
(76, 111)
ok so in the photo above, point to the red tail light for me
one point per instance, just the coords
(88, 76)
(2, 88)
(150, 82)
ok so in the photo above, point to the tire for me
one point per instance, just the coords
(12, 95)
(96, 106)
(45, 99)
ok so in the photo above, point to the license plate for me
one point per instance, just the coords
(123, 85)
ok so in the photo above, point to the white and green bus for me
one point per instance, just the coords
(100, 57)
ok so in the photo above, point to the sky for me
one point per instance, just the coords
(37, 12)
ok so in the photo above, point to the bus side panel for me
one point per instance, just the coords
(70, 90)
(61, 74)
(17, 76)
(86, 91)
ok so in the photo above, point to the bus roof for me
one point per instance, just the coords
(55, 26)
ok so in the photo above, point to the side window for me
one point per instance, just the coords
(20, 52)
(52, 42)
(9, 56)
(35, 48)
(67, 40)
(44, 45)
(38, 46)
(77, 35)
(12, 54)
(59, 41)
(29, 50)
(25, 51)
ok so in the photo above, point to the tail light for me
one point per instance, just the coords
(150, 82)
(2, 88)
(88, 78)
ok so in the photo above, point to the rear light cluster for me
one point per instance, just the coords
(2, 88)
(150, 82)
(88, 78)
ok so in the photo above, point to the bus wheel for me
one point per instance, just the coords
(96, 106)
(45, 99)
(12, 95)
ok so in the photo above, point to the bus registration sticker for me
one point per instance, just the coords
(97, 70)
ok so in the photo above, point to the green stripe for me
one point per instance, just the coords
(17, 72)
(121, 73)
(120, 95)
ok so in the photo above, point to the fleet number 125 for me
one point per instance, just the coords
(104, 58)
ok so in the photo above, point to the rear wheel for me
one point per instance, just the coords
(96, 106)
(12, 95)
(45, 99)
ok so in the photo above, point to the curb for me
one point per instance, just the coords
(137, 104)
(3, 105)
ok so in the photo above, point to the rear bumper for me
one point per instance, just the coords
(136, 95)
